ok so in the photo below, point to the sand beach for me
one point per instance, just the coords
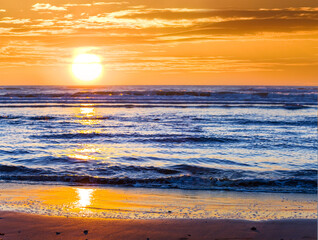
(81, 212)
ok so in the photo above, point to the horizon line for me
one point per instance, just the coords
(95, 85)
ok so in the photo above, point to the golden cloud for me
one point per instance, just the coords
(46, 7)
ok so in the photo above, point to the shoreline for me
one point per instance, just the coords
(141, 203)
(37, 212)
(15, 225)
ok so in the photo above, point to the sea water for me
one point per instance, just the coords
(235, 138)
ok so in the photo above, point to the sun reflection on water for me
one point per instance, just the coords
(87, 111)
(85, 152)
(81, 157)
(87, 115)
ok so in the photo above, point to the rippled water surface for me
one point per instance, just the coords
(189, 137)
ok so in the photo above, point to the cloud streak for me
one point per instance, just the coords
(178, 21)
(93, 4)
(46, 7)
(192, 21)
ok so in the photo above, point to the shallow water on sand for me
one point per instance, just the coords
(141, 203)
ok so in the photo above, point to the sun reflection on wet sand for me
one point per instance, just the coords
(85, 197)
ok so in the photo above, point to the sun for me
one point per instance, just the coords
(87, 67)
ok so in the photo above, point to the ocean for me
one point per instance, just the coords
(229, 138)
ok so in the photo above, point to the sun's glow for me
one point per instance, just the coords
(87, 67)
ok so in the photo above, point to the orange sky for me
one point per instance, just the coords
(248, 42)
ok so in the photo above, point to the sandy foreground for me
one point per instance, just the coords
(44, 212)
(28, 226)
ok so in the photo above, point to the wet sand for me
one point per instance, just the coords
(28, 226)
(76, 212)
(141, 203)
